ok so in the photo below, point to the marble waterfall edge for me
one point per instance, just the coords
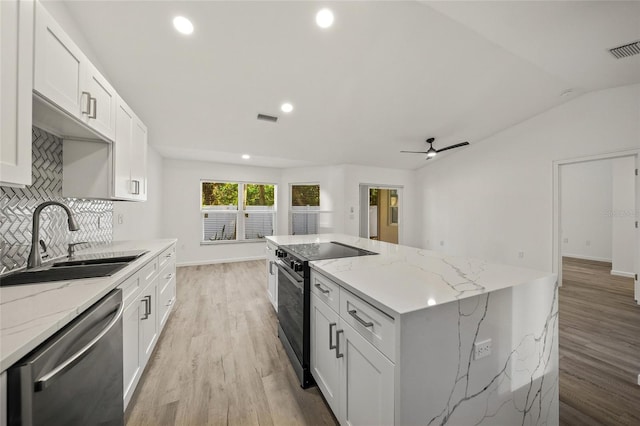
(516, 385)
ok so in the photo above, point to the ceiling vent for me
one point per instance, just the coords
(266, 117)
(626, 50)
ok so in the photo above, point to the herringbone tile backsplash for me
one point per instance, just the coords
(17, 206)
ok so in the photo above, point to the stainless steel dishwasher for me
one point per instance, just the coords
(75, 377)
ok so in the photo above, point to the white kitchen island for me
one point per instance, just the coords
(412, 336)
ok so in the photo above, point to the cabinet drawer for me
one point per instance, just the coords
(372, 324)
(130, 289)
(167, 255)
(326, 290)
(149, 272)
(167, 297)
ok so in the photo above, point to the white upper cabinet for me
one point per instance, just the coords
(16, 84)
(63, 76)
(139, 160)
(130, 158)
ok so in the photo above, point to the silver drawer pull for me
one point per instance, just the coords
(94, 103)
(170, 302)
(88, 109)
(319, 287)
(168, 277)
(354, 314)
(338, 354)
(168, 255)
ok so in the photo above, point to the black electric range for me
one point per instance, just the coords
(294, 297)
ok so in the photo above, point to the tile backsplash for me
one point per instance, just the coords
(17, 206)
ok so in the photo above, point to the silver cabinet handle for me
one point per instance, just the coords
(169, 255)
(338, 354)
(331, 345)
(88, 105)
(135, 187)
(168, 277)
(47, 379)
(271, 267)
(170, 302)
(147, 307)
(319, 287)
(354, 314)
(93, 103)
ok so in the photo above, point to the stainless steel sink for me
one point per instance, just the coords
(62, 273)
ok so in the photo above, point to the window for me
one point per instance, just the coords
(233, 211)
(305, 209)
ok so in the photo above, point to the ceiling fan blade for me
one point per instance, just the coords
(458, 145)
(415, 152)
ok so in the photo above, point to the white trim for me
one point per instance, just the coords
(584, 257)
(216, 261)
(622, 274)
(556, 241)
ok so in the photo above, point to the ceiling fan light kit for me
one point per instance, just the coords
(432, 152)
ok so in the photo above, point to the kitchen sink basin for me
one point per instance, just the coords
(62, 273)
(84, 262)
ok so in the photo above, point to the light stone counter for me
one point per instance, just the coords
(403, 279)
(31, 313)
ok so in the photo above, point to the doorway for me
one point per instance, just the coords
(380, 212)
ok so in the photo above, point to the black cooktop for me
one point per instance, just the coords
(320, 251)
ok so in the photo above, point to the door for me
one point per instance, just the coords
(122, 158)
(16, 79)
(367, 381)
(148, 320)
(131, 362)
(59, 66)
(325, 364)
(102, 103)
(139, 160)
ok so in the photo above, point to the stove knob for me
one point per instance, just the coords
(281, 253)
(297, 266)
(292, 264)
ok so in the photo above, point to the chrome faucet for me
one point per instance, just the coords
(34, 256)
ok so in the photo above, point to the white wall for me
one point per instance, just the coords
(142, 220)
(585, 206)
(181, 212)
(494, 198)
(623, 216)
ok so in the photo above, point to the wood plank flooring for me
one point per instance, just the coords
(219, 360)
(599, 324)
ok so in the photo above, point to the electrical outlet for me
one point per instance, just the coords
(482, 349)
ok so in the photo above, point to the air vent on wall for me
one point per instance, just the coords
(626, 50)
(266, 117)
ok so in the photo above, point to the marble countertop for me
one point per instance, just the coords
(402, 279)
(31, 313)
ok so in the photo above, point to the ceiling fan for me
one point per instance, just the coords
(432, 152)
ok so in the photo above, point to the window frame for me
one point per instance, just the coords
(240, 212)
(310, 209)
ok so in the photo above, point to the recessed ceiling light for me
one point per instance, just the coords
(183, 25)
(286, 107)
(324, 18)
(245, 156)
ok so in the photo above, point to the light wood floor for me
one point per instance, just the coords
(599, 323)
(219, 360)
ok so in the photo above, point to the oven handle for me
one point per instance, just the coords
(296, 281)
(47, 379)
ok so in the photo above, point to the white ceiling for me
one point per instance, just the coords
(385, 77)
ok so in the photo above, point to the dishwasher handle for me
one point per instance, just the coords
(46, 380)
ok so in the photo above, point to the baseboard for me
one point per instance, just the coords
(215, 261)
(623, 274)
(580, 256)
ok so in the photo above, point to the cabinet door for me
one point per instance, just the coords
(325, 365)
(272, 276)
(148, 320)
(16, 85)
(102, 103)
(167, 283)
(59, 66)
(139, 161)
(122, 151)
(367, 384)
(132, 367)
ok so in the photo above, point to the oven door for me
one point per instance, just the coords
(291, 307)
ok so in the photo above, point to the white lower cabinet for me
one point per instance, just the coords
(272, 275)
(148, 296)
(355, 378)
